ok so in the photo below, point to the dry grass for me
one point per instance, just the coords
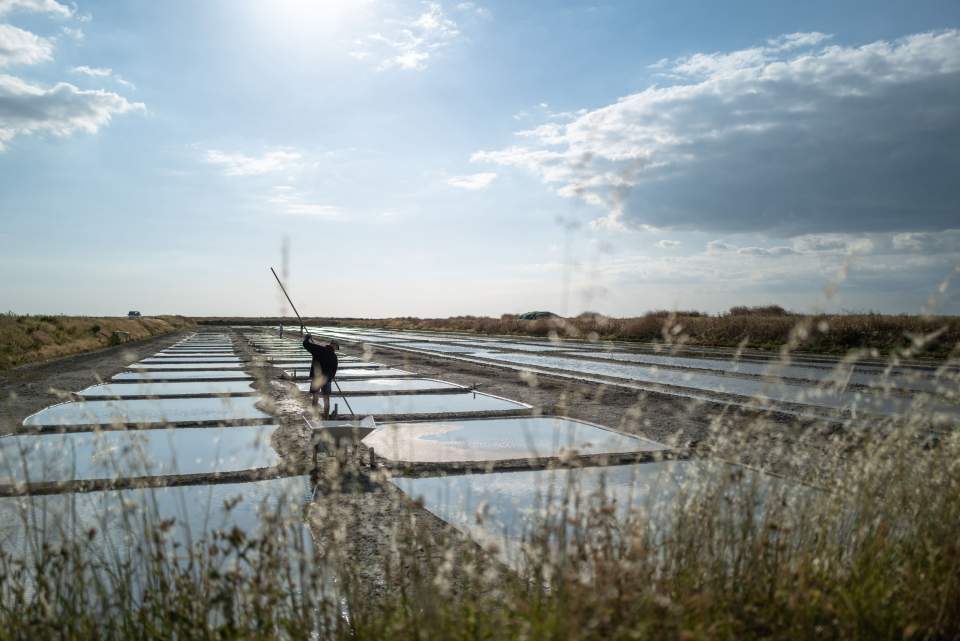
(29, 339)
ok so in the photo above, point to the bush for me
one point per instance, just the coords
(763, 310)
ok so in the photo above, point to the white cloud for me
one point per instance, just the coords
(287, 200)
(472, 7)
(718, 247)
(102, 72)
(19, 47)
(75, 33)
(927, 243)
(713, 64)
(844, 246)
(473, 181)
(766, 251)
(409, 44)
(51, 7)
(237, 164)
(60, 110)
(668, 244)
(96, 72)
(780, 139)
(896, 274)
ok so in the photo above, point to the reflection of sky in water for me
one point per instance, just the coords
(498, 439)
(192, 359)
(305, 362)
(522, 347)
(349, 372)
(133, 453)
(196, 352)
(436, 347)
(147, 411)
(165, 365)
(512, 502)
(122, 520)
(772, 369)
(168, 389)
(424, 404)
(146, 376)
(806, 395)
(389, 385)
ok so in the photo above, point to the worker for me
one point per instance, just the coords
(323, 369)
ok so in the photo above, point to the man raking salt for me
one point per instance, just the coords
(323, 369)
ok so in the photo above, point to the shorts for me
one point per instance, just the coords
(321, 384)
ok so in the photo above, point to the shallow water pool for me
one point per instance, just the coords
(499, 439)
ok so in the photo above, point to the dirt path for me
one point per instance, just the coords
(29, 388)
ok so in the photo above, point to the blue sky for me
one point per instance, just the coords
(435, 159)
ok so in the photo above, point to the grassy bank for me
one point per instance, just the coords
(30, 339)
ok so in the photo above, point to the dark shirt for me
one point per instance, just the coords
(324, 359)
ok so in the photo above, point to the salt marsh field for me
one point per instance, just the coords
(484, 439)
(801, 383)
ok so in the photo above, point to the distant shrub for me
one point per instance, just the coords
(761, 310)
(535, 315)
(663, 313)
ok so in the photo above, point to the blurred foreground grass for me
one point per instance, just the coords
(872, 553)
(29, 339)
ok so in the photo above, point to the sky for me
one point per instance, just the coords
(395, 158)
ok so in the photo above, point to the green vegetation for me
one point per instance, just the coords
(28, 339)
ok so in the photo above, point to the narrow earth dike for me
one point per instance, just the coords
(32, 339)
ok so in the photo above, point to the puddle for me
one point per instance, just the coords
(190, 374)
(227, 357)
(118, 526)
(305, 363)
(168, 389)
(437, 347)
(213, 351)
(351, 372)
(165, 365)
(499, 439)
(783, 392)
(521, 347)
(134, 453)
(364, 339)
(816, 374)
(425, 404)
(501, 508)
(178, 410)
(391, 385)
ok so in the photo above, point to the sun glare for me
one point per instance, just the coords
(310, 18)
